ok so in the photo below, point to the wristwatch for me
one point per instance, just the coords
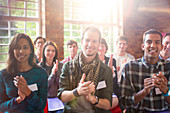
(75, 93)
(96, 101)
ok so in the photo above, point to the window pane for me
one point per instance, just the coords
(17, 12)
(76, 27)
(66, 33)
(4, 11)
(3, 32)
(76, 16)
(67, 16)
(31, 13)
(14, 32)
(2, 66)
(31, 5)
(17, 24)
(31, 25)
(4, 40)
(66, 26)
(76, 33)
(3, 24)
(3, 58)
(31, 32)
(4, 49)
(3, 2)
(66, 12)
(18, 4)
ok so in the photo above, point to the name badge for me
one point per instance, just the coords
(101, 85)
(157, 90)
(33, 87)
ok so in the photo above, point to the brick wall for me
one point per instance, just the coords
(136, 22)
(52, 23)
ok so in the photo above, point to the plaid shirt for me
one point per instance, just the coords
(132, 82)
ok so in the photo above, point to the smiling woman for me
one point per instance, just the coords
(22, 81)
(53, 67)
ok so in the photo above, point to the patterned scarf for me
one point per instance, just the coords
(91, 69)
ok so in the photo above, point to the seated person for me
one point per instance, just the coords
(72, 48)
(112, 64)
(86, 83)
(38, 44)
(53, 68)
(121, 56)
(23, 84)
(145, 83)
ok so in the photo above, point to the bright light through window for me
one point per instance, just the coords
(100, 10)
(105, 14)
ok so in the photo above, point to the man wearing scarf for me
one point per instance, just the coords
(86, 84)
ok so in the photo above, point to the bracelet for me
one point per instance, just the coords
(167, 94)
(75, 93)
(96, 101)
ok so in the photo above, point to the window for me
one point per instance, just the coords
(105, 14)
(17, 16)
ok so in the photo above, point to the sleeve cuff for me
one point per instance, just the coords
(30, 96)
(15, 101)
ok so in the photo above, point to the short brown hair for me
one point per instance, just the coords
(93, 29)
(122, 37)
(40, 37)
(103, 41)
(71, 42)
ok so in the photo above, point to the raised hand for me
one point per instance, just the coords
(21, 84)
(110, 63)
(118, 68)
(104, 61)
(85, 88)
(160, 81)
(55, 67)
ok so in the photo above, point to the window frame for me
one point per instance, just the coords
(25, 19)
